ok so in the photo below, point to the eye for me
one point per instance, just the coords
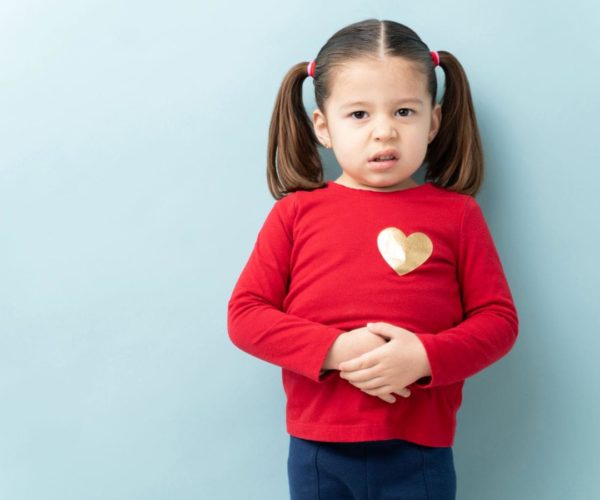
(354, 113)
(405, 111)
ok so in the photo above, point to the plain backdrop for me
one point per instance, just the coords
(132, 186)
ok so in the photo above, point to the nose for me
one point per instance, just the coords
(384, 130)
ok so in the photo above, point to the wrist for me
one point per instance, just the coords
(424, 368)
(334, 355)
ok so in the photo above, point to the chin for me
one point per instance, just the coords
(390, 182)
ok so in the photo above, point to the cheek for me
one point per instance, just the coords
(338, 134)
(343, 133)
(419, 147)
(347, 139)
(420, 138)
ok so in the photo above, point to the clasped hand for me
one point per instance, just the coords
(390, 368)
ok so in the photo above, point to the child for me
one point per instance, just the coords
(373, 286)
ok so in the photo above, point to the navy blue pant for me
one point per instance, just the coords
(370, 470)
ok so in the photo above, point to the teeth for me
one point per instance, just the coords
(383, 158)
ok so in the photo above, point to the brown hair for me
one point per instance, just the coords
(454, 158)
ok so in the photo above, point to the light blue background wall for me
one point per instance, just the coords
(132, 186)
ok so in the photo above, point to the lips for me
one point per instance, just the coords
(385, 154)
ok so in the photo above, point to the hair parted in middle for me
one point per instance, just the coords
(454, 158)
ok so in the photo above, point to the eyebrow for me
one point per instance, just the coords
(399, 101)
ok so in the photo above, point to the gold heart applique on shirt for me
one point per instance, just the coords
(403, 253)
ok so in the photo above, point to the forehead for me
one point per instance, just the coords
(376, 80)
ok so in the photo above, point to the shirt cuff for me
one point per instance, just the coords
(323, 350)
(428, 381)
(325, 374)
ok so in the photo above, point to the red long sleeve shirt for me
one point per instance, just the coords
(321, 266)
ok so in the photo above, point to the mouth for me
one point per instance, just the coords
(387, 155)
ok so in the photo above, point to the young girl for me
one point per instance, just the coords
(372, 286)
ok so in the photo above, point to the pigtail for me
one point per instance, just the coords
(455, 156)
(293, 162)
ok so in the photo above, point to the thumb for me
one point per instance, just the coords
(384, 330)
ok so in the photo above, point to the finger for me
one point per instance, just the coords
(360, 363)
(385, 330)
(405, 393)
(360, 375)
(378, 391)
(388, 398)
(382, 329)
(387, 389)
(372, 383)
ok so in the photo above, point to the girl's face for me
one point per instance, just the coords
(378, 107)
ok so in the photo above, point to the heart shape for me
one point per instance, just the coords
(402, 253)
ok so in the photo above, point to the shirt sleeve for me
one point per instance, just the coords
(490, 323)
(256, 321)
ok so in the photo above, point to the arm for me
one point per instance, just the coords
(490, 325)
(425, 360)
(256, 322)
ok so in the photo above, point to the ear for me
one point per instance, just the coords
(436, 120)
(321, 129)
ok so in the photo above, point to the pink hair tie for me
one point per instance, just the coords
(436, 58)
(311, 68)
